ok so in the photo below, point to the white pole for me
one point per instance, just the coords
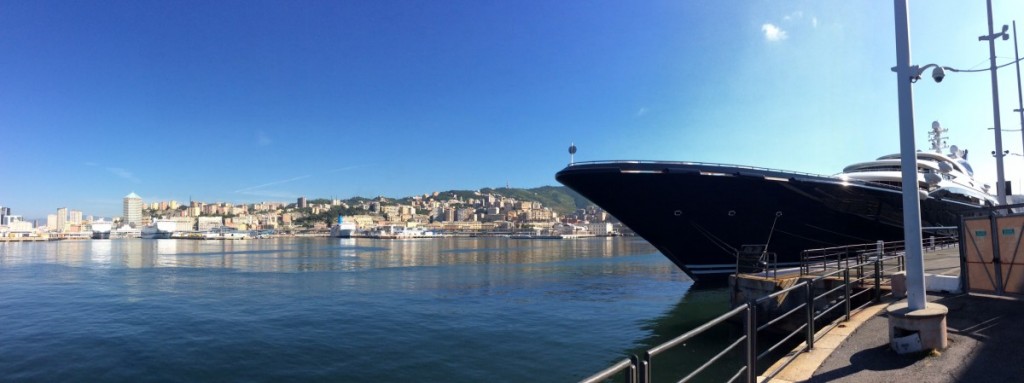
(1020, 99)
(1000, 177)
(908, 161)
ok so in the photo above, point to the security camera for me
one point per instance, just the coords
(938, 74)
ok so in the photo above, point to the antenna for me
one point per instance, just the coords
(935, 137)
(572, 152)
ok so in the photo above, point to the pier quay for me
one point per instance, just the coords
(985, 334)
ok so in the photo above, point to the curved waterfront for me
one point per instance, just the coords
(324, 309)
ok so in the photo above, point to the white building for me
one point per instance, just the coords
(62, 219)
(133, 209)
(207, 223)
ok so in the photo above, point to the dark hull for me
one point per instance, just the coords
(101, 235)
(698, 215)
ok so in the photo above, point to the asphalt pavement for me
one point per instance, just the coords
(985, 338)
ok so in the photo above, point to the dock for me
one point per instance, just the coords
(788, 323)
(838, 351)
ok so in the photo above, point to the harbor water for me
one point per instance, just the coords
(328, 309)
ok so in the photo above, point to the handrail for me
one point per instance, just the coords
(869, 269)
(609, 372)
(698, 163)
(697, 331)
(832, 178)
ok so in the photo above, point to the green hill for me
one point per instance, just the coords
(559, 198)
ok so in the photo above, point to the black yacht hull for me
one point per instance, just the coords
(699, 215)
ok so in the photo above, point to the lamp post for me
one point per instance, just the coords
(991, 38)
(905, 75)
(928, 319)
(1020, 99)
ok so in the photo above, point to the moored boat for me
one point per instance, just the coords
(702, 216)
(100, 229)
(160, 229)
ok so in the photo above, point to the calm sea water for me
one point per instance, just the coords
(320, 309)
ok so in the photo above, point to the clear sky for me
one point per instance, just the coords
(245, 101)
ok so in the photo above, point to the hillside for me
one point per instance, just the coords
(559, 198)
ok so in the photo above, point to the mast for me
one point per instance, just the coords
(936, 139)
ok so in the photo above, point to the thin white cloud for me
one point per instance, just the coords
(793, 16)
(247, 190)
(262, 139)
(345, 168)
(271, 194)
(123, 174)
(642, 112)
(773, 33)
(814, 22)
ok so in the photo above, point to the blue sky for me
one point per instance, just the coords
(245, 101)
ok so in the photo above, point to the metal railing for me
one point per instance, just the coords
(835, 258)
(836, 291)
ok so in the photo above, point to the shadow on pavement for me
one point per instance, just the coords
(985, 338)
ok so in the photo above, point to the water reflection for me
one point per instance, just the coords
(99, 254)
(326, 254)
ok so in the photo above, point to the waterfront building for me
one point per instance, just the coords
(600, 228)
(132, 209)
(75, 217)
(207, 223)
(62, 219)
(51, 222)
(173, 204)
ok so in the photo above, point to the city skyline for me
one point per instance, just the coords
(267, 101)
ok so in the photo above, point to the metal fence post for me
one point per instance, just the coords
(751, 342)
(631, 372)
(644, 373)
(878, 280)
(846, 298)
(809, 290)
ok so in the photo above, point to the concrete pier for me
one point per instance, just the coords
(983, 338)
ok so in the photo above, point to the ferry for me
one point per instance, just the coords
(160, 229)
(100, 229)
(225, 233)
(400, 232)
(343, 229)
